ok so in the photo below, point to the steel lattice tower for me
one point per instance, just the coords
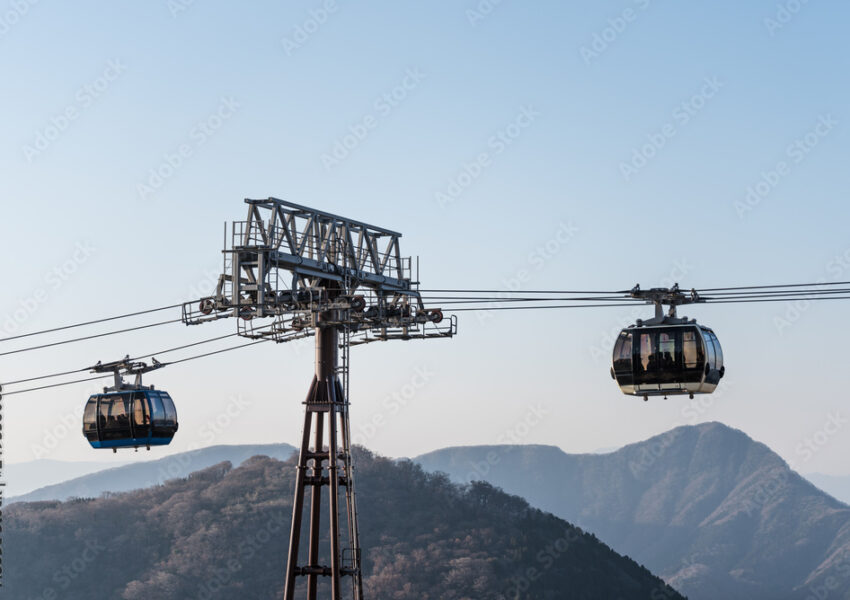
(345, 283)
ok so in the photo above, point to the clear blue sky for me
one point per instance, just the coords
(699, 143)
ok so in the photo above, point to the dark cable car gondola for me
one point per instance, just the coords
(667, 355)
(129, 415)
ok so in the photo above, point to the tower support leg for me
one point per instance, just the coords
(315, 506)
(326, 413)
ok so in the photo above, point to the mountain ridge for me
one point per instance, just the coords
(152, 472)
(837, 486)
(706, 507)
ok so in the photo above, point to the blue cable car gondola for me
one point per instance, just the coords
(130, 419)
(129, 415)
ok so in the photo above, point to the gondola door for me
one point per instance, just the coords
(141, 417)
(658, 356)
(645, 367)
(115, 417)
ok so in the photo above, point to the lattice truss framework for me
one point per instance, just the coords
(291, 262)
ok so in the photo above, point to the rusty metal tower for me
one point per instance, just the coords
(291, 272)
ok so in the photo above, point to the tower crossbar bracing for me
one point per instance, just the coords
(290, 272)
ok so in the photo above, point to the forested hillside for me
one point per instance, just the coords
(222, 533)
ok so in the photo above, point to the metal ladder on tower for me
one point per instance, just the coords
(352, 562)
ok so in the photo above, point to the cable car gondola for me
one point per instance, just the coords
(667, 355)
(130, 419)
(129, 415)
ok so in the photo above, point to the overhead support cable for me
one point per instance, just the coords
(89, 337)
(491, 291)
(93, 322)
(550, 306)
(765, 287)
(182, 360)
(136, 358)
